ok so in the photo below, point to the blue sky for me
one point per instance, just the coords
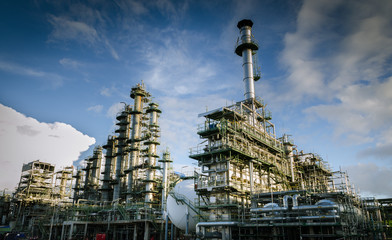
(66, 66)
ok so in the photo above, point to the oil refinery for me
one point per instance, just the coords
(251, 184)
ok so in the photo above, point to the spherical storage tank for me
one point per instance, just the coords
(178, 205)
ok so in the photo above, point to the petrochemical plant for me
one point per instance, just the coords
(251, 183)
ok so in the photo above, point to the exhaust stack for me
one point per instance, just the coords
(245, 49)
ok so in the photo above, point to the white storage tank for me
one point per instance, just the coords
(180, 203)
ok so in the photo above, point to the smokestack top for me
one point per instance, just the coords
(245, 22)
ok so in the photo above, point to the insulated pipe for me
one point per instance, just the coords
(274, 209)
(295, 200)
(247, 65)
(315, 207)
(213, 224)
(269, 219)
(318, 217)
(269, 209)
(208, 224)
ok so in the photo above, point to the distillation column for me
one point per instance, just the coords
(96, 166)
(166, 163)
(288, 148)
(138, 94)
(63, 183)
(78, 182)
(244, 49)
(121, 161)
(151, 155)
(109, 169)
(87, 178)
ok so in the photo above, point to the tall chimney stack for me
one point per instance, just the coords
(244, 49)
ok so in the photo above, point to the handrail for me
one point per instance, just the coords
(183, 199)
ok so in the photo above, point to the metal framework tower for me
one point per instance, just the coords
(63, 184)
(241, 154)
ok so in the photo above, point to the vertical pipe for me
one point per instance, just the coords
(70, 232)
(62, 232)
(171, 232)
(187, 221)
(135, 232)
(247, 65)
(147, 230)
(251, 177)
(166, 226)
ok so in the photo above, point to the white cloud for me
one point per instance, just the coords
(96, 108)
(24, 139)
(370, 179)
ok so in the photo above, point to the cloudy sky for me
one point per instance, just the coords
(66, 66)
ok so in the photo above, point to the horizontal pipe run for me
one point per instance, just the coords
(269, 209)
(315, 207)
(207, 224)
(318, 217)
(269, 219)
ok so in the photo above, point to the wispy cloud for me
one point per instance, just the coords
(132, 7)
(176, 67)
(54, 79)
(67, 62)
(111, 91)
(343, 65)
(338, 62)
(67, 29)
(96, 108)
(114, 109)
